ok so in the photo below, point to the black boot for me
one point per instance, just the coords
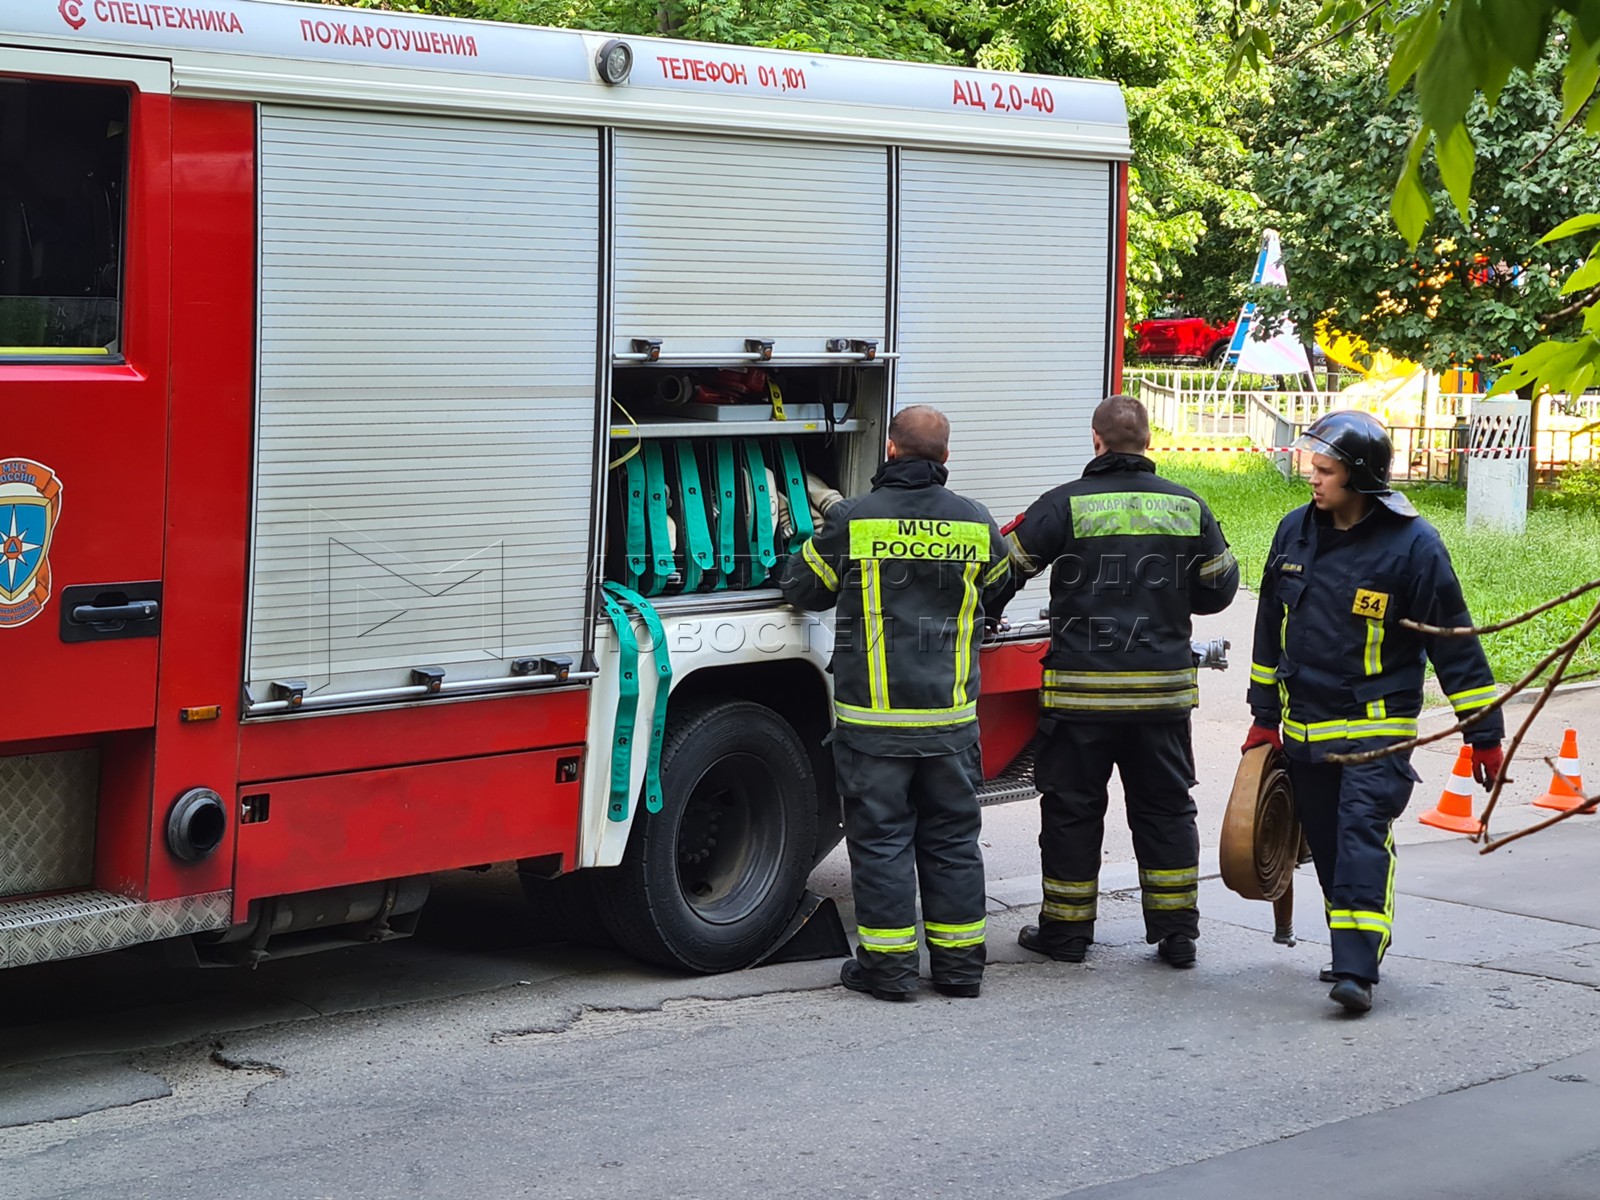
(1354, 994)
(1177, 950)
(1076, 949)
(967, 991)
(1326, 975)
(855, 978)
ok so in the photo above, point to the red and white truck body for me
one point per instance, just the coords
(320, 331)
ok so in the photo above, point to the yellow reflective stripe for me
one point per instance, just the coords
(1220, 565)
(1071, 889)
(888, 941)
(1377, 710)
(1118, 679)
(1069, 912)
(1328, 731)
(1374, 651)
(964, 620)
(1023, 560)
(53, 351)
(1472, 698)
(877, 654)
(1381, 928)
(905, 718)
(955, 937)
(1169, 878)
(1150, 701)
(1388, 895)
(824, 572)
(921, 540)
(1167, 901)
(997, 572)
(977, 926)
(1267, 676)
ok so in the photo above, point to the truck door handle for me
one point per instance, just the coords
(97, 612)
(139, 610)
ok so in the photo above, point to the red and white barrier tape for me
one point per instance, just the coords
(1485, 451)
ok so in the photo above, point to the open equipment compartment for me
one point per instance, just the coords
(709, 468)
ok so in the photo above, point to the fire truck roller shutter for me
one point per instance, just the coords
(723, 239)
(426, 417)
(1004, 315)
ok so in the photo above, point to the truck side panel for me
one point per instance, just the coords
(368, 825)
(208, 501)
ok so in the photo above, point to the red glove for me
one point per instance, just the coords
(1487, 763)
(1261, 735)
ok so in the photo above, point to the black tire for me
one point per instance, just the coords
(1217, 356)
(709, 882)
(564, 909)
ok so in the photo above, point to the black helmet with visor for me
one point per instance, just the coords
(1359, 440)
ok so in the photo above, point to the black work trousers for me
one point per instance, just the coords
(909, 821)
(1348, 814)
(1156, 764)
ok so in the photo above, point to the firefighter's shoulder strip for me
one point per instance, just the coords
(919, 540)
(1111, 514)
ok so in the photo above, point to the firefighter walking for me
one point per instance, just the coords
(912, 568)
(1132, 558)
(1335, 668)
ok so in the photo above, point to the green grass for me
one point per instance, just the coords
(1501, 575)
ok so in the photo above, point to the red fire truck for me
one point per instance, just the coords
(403, 420)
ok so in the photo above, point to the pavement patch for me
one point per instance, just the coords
(1536, 1127)
(1437, 930)
(1554, 875)
(74, 1087)
(1574, 964)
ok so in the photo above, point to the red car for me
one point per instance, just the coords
(1183, 339)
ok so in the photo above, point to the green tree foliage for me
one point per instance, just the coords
(1453, 55)
(1473, 291)
(1170, 56)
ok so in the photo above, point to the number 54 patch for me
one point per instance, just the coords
(1370, 604)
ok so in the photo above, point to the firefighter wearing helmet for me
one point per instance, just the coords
(1132, 558)
(1333, 666)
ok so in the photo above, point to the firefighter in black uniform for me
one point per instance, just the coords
(1332, 665)
(913, 569)
(1132, 558)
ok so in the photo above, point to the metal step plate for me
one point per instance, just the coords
(47, 928)
(47, 813)
(1015, 782)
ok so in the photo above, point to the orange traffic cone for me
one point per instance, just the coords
(1454, 811)
(1566, 784)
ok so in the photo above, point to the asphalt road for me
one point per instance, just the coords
(470, 1062)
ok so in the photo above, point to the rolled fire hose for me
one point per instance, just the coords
(1261, 837)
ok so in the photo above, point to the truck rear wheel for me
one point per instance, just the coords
(710, 881)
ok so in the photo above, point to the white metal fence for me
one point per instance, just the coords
(1429, 436)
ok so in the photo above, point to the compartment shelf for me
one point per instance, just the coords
(665, 427)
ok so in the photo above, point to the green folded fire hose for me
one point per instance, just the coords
(763, 557)
(614, 596)
(693, 528)
(794, 479)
